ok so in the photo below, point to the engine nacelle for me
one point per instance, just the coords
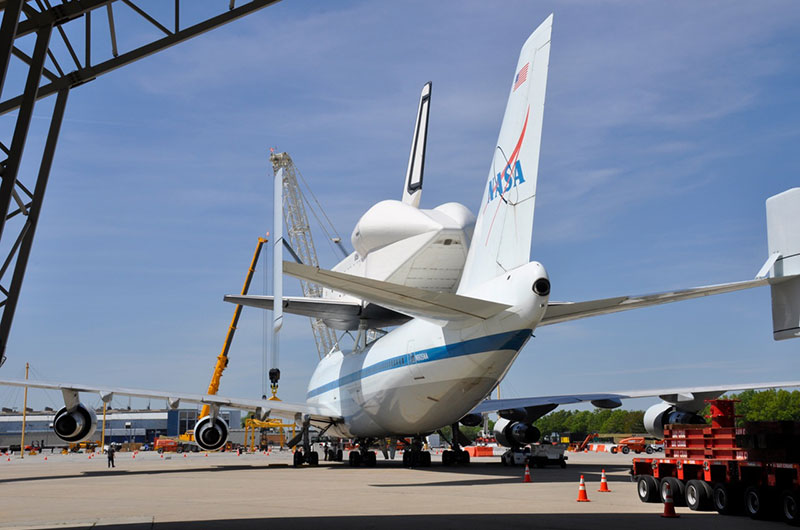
(472, 420)
(210, 434)
(663, 413)
(76, 425)
(514, 433)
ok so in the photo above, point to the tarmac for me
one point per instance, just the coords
(223, 490)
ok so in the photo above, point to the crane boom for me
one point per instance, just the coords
(222, 358)
(298, 231)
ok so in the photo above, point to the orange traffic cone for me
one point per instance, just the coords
(603, 482)
(162, 455)
(582, 497)
(669, 506)
(184, 455)
(206, 454)
(527, 477)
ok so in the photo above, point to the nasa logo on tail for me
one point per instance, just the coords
(511, 175)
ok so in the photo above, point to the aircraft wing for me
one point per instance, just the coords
(410, 301)
(337, 314)
(614, 399)
(264, 407)
(564, 311)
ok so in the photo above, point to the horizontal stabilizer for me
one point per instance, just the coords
(337, 314)
(407, 300)
(564, 311)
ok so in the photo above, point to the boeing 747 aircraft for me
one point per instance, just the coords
(457, 334)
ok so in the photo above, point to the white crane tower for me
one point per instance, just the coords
(301, 243)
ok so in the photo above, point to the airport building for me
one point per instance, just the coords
(137, 426)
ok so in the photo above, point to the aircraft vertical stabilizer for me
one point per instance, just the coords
(502, 237)
(783, 233)
(412, 190)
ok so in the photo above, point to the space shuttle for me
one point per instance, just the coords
(395, 241)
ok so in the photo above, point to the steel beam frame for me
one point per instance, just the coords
(39, 17)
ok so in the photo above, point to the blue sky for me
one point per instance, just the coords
(666, 127)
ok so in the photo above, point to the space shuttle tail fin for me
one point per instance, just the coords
(412, 190)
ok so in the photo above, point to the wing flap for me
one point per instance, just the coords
(407, 300)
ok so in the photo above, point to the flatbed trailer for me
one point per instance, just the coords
(715, 468)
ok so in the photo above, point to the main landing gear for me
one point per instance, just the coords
(455, 456)
(414, 456)
(304, 455)
(363, 455)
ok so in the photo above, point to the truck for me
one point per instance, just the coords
(637, 444)
(753, 469)
(170, 444)
(537, 454)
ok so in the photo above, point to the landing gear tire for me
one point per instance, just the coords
(355, 458)
(339, 455)
(313, 458)
(298, 459)
(425, 459)
(462, 458)
(448, 458)
(370, 459)
(647, 488)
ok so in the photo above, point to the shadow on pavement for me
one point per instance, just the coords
(625, 521)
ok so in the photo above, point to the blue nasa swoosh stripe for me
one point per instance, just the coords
(510, 340)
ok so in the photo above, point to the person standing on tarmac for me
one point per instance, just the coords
(111, 455)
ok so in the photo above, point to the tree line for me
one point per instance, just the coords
(763, 405)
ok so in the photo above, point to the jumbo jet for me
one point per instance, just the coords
(456, 332)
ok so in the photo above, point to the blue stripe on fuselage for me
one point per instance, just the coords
(510, 340)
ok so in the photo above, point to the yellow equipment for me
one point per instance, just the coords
(222, 359)
(251, 424)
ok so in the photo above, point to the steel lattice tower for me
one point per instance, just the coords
(299, 235)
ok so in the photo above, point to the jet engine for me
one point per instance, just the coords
(210, 434)
(515, 433)
(75, 425)
(664, 413)
(472, 420)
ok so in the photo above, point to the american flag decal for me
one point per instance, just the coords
(522, 76)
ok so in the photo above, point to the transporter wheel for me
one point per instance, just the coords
(562, 462)
(647, 489)
(677, 489)
(725, 499)
(649, 450)
(790, 499)
(626, 450)
(613, 450)
(698, 496)
(757, 502)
